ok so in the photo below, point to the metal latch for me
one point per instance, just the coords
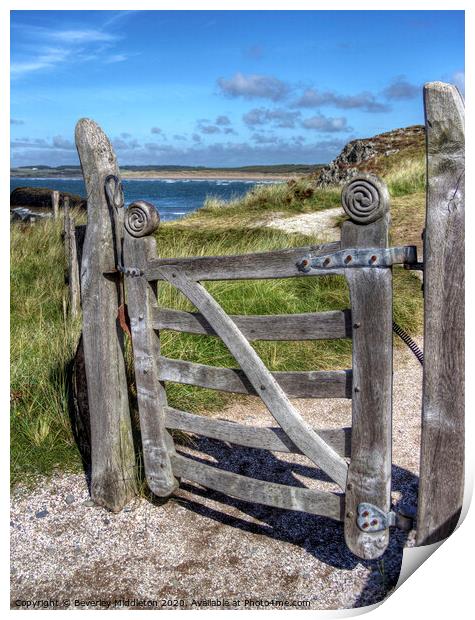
(372, 519)
(360, 257)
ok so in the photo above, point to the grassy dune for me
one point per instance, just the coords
(43, 344)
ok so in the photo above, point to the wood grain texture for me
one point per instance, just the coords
(151, 396)
(311, 384)
(71, 249)
(442, 453)
(55, 203)
(309, 326)
(369, 473)
(113, 481)
(252, 490)
(263, 438)
(275, 264)
(262, 380)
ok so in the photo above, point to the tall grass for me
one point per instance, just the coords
(42, 345)
(408, 178)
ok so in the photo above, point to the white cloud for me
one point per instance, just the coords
(80, 36)
(277, 117)
(366, 101)
(401, 89)
(115, 58)
(254, 87)
(47, 48)
(326, 124)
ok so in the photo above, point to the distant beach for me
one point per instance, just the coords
(205, 175)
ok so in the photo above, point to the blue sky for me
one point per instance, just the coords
(223, 88)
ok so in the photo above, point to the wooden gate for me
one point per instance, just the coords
(122, 251)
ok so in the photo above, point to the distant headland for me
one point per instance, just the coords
(275, 172)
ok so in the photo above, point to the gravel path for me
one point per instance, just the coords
(202, 547)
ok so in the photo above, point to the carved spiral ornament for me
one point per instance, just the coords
(365, 199)
(141, 219)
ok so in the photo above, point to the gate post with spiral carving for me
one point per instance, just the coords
(141, 221)
(366, 201)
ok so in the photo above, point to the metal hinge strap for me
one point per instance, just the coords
(360, 257)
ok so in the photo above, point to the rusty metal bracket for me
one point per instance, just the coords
(360, 257)
(370, 518)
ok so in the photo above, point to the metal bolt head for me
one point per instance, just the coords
(140, 317)
(350, 514)
(356, 325)
(349, 486)
(357, 389)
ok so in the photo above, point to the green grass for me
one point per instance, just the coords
(409, 177)
(43, 344)
(294, 197)
(41, 347)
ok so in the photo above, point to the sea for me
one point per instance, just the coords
(174, 198)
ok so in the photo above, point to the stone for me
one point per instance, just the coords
(365, 155)
(69, 499)
(89, 503)
(40, 198)
(41, 514)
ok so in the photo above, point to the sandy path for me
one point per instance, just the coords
(321, 223)
(202, 545)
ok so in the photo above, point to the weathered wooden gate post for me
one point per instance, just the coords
(113, 458)
(142, 220)
(442, 452)
(366, 201)
(55, 204)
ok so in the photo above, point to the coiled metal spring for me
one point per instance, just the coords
(404, 336)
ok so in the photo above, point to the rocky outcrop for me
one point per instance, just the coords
(40, 198)
(21, 214)
(372, 155)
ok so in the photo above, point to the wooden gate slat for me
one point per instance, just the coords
(308, 326)
(263, 438)
(300, 384)
(264, 383)
(251, 490)
(442, 454)
(260, 265)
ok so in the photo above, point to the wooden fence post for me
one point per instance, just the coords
(55, 203)
(366, 201)
(70, 244)
(112, 450)
(442, 452)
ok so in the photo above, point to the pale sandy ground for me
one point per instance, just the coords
(204, 545)
(321, 223)
(200, 175)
